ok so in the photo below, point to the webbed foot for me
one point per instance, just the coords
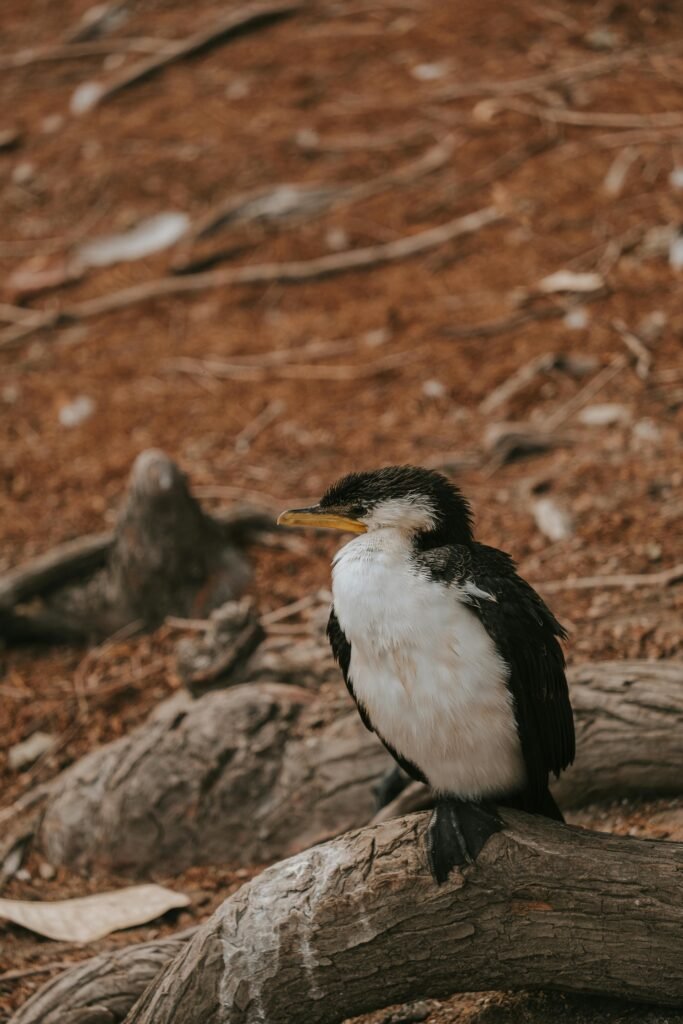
(457, 832)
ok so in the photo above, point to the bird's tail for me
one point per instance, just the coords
(535, 803)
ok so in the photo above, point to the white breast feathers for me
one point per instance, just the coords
(426, 670)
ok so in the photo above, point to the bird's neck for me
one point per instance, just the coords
(385, 544)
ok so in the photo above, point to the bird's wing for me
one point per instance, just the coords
(341, 649)
(527, 635)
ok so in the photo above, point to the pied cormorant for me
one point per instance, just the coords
(452, 659)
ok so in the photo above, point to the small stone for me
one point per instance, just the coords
(237, 89)
(23, 754)
(647, 431)
(429, 72)
(433, 389)
(307, 138)
(576, 319)
(603, 38)
(676, 177)
(653, 551)
(23, 173)
(85, 97)
(76, 412)
(46, 871)
(51, 124)
(336, 239)
(23, 875)
(380, 336)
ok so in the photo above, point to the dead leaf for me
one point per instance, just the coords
(92, 917)
(568, 281)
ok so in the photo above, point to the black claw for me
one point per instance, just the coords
(457, 832)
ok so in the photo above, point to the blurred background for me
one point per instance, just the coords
(285, 241)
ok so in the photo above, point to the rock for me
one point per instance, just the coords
(23, 754)
(72, 414)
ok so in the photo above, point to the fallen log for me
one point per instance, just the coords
(102, 989)
(247, 775)
(53, 569)
(261, 770)
(359, 924)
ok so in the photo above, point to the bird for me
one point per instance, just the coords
(452, 659)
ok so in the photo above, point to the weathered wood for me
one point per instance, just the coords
(261, 770)
(246, 775)
(219, 657)
(358, 924)
(54, 568)
(165, 556)
(629, 724)
(102, 989)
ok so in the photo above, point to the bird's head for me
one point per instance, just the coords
(415, 501)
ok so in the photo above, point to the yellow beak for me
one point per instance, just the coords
(319, 517)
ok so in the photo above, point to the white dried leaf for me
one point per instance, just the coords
(604, 414)
(149, 236)
(568, 281)
(92, 917)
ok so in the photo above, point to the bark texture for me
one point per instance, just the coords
(260, 770)
(358, 924)
(103, 989)
(629, 724)
(246, 775)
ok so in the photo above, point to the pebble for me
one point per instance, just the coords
(76, 412)
(433, 389)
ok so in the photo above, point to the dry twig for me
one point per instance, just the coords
(231, 25)
(261, 273)
(664, 578)
(594, 118)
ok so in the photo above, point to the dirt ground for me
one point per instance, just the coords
(584, 164)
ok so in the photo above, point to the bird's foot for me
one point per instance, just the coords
(393, 782)
(456, 833)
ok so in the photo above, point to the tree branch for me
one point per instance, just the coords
(358, 924)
